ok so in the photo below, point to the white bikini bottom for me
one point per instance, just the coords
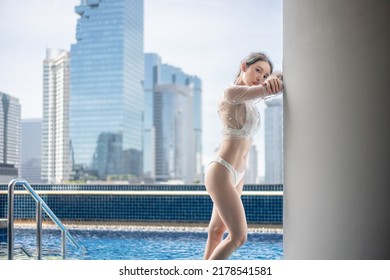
(235, 175)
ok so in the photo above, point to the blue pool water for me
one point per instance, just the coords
(145, 245)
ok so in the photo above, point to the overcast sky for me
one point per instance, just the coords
(206, 38)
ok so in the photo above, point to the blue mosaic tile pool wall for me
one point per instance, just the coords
(143, 208)
(138, 187)
(3, 235)
(3, 231)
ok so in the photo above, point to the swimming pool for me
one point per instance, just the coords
(109, 244)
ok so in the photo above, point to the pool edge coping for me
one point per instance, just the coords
(147, 226)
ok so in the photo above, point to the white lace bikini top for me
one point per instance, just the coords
(239, 112)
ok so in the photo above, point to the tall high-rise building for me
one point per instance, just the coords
(152, 77)
(10, 112)
(31, 150)
(251, 172)
(55, 151)
(107, 96)
(196, 86)
(274, 141)
(173, 132)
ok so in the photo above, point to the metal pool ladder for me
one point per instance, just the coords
(40, 204)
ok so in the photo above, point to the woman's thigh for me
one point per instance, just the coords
(226, 198)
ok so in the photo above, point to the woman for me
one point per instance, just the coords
(224, 179)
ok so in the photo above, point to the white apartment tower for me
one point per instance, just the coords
(55, 158)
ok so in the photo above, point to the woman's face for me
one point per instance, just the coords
(255, 74)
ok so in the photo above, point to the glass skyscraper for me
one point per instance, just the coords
(152, 76)
(107, 96)
(10, 130)
(274, 141)
(172, 141)
(253, 160)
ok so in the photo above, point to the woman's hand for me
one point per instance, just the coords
(274, 83)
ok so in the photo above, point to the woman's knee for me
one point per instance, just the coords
(216, 232)
(239, 238)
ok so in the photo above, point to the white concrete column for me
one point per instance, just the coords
(337, 129)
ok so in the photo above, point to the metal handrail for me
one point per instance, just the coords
(40, 204)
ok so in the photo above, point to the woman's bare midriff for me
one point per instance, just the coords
(235, 151)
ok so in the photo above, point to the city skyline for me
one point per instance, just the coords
(187, 34)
